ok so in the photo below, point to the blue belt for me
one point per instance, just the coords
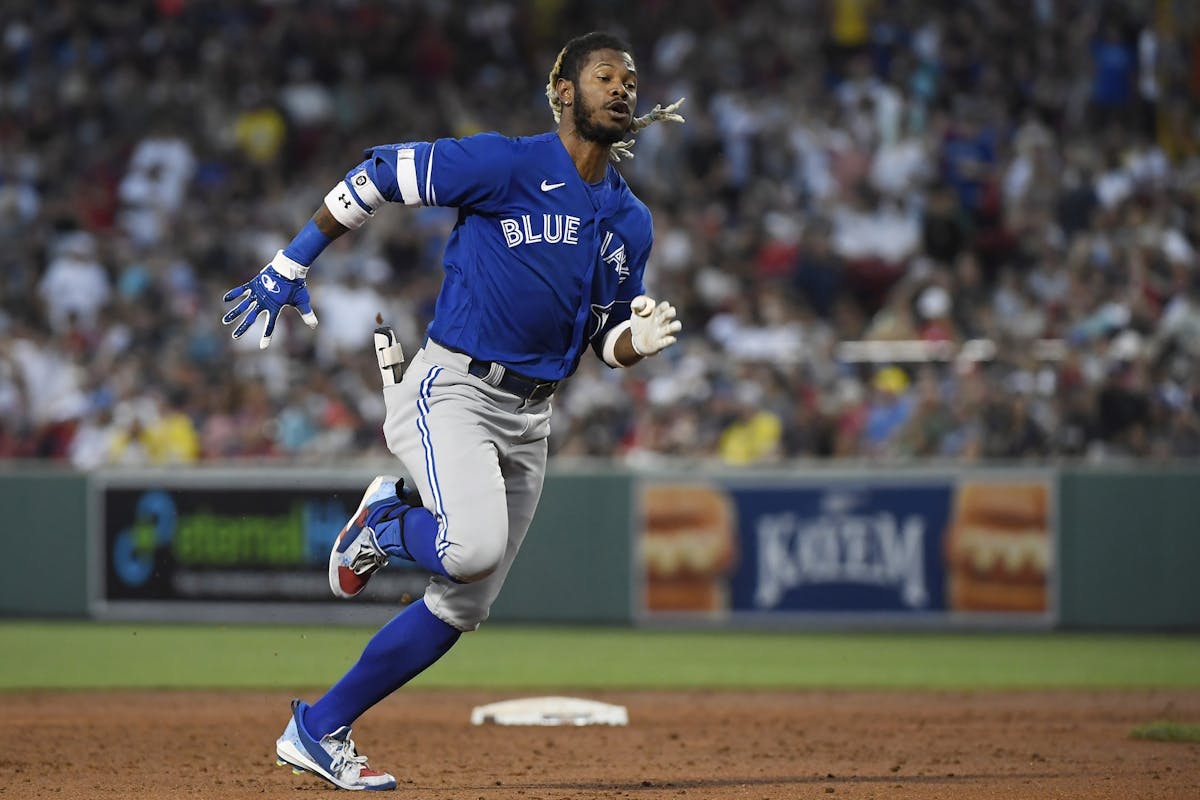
(523, 386)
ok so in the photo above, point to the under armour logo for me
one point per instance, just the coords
(345, 200)
(271, 284)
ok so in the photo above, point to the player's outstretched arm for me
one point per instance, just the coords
(282, 282)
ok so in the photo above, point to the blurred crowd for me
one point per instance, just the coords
(894, 229)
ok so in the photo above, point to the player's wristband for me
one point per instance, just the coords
(609, 351)
(307, 245)
(288, 268)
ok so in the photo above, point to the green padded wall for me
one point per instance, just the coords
(575, 564)
(44, 535)
(1130, 548)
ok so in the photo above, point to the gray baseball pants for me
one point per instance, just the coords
(477, 454)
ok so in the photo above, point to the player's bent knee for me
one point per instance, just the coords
(471, 565)
(470, 573)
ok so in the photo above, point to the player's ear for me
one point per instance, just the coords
(566, 91)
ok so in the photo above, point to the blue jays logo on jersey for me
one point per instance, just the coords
(600, 315)
(612, 252)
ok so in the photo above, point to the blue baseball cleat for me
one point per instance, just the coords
(356, 554)
(333, 757)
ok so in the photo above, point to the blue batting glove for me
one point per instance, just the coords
(279, 284)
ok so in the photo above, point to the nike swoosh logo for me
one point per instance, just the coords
(549, 187)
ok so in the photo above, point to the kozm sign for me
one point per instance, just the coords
(977, 546)
(225, 545)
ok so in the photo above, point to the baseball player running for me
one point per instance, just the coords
(546, 259)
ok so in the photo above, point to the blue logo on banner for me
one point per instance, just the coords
(841, 549)
(135, 548)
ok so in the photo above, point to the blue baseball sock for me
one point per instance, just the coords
(408, 532)
(397, 653)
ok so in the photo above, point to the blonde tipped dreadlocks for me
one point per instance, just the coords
(556, 105)
(623, 149)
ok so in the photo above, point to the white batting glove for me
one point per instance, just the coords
(653, 326)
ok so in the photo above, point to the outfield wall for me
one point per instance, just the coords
(1076, 548)
(43, 529)
(1130, 548)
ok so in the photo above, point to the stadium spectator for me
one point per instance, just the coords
(1014, 183)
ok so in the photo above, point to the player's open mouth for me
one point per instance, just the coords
(619, 109)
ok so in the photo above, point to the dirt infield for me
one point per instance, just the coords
(686, 745)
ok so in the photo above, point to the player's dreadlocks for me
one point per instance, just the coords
(571, 60)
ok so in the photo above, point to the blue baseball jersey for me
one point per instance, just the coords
(540, 263)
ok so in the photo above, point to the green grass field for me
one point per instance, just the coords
(68, 655)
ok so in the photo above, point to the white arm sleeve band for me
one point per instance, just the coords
(610, 344)
(346, 208)
(406, 176)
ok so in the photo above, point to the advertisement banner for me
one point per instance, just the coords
(186, 545)
(922, 548)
